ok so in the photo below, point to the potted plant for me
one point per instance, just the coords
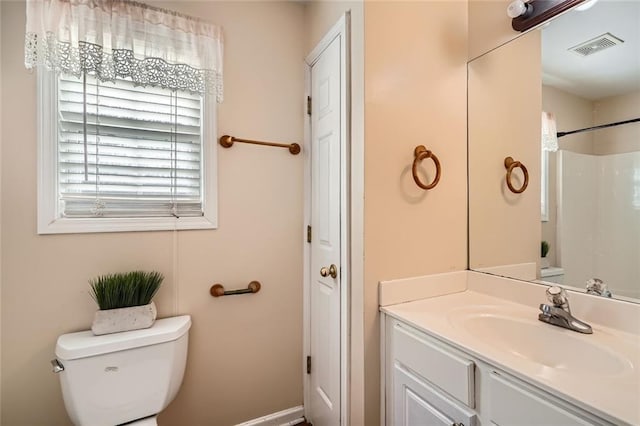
(544, 250)
(124, 300)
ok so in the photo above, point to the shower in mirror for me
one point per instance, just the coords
(586, 205)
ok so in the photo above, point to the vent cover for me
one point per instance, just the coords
(597, 44)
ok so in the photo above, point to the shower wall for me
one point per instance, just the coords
(615, 140)
(572, 112)
(599, 220)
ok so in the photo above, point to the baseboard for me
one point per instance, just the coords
(289, 416)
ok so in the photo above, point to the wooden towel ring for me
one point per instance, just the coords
(510, 164)
(420, 153)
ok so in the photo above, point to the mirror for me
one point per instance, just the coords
(583, 68)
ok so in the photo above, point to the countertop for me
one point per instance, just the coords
(613, 395)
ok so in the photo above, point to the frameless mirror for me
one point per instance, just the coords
(583, 71)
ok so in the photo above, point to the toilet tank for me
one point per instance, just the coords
(120, 377)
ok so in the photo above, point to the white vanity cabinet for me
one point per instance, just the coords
(421, 370)
(513, 404)
(416, 402)
(429, 382)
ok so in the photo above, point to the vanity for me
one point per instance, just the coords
(486, 346)
(467, 348)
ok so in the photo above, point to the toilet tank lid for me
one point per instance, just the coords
(84, 344)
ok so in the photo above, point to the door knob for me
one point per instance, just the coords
(332, 271)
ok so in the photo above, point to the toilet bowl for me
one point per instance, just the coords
(126, 377)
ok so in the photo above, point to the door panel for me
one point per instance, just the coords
(514, 405)
(325, 245)
(417, 403)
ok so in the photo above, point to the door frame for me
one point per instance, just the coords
(340, 29)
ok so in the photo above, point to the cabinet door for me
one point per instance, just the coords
(441, 367)
(512, 404)
(416, 403)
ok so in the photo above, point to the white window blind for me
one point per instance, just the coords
(544, 187)
(127, 151)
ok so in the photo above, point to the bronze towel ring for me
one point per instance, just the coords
(420, 153)
(510, 164)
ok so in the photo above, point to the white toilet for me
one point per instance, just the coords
(126, 377)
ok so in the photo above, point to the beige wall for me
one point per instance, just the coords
(414, 77)
(0, 220)
(619, 139)
(489, 26)
(244, 352)
(320, 16)
(504, 120)
(572, 112)
(415, 93)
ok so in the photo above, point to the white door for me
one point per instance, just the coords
(326, 147)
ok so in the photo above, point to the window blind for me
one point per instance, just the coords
(127, 151)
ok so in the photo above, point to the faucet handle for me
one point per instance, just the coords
(557, 296)
(545, 309)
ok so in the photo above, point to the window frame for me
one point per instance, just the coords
(544, 187)
(49, 220)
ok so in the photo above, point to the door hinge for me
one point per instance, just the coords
(308, 364)
(308, 233)
(308, 105)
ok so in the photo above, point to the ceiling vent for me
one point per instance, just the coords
(597, 44)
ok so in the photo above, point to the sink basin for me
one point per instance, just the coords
(541, 343)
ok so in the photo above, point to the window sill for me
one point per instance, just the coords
(89, 225)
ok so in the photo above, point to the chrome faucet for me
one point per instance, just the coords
(559, 313)
(597, 287)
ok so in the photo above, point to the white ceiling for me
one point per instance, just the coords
(612, 71)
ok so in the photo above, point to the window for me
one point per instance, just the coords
(127, 98)
(549, 142)
(119, 157)
(544, 187)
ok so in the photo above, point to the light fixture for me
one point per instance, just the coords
(517, 8)
(527, 14)
(586, 5)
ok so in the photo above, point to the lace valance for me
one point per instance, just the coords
(123, 39)
(549, 132)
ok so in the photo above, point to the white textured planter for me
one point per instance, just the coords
(124, 319)
(544, 263)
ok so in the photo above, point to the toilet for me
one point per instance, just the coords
(126, 377)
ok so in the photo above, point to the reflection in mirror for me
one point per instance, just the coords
(504, 103)
(586, 205)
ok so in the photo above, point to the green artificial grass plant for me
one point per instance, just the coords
(125, 289)
(544, 248)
